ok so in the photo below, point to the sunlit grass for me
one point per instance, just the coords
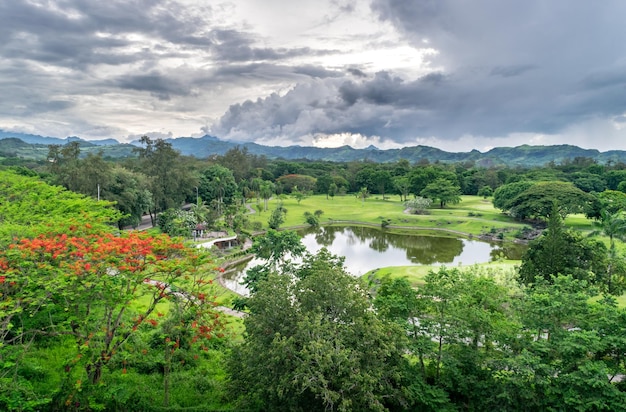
(473, 216)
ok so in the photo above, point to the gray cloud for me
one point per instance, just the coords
(169, 51)
(501, 68)
(527, 67)
(156, 83)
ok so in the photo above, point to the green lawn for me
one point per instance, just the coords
(473, 216)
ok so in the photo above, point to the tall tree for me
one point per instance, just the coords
(170, 182)
(402, 186)
(266, 190)
(381, 180)
(129, 191)
(504, 195)
(217, 185)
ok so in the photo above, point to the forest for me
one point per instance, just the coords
(98, 316)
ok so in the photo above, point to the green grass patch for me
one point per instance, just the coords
(473, 216)
(504, 271)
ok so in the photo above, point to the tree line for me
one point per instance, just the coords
(159, 179)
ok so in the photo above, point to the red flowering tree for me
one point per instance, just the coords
(97, 289)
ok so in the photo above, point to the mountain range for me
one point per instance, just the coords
(35, 147)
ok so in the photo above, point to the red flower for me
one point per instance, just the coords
(3, 279)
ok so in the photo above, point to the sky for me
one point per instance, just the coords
(453, 74)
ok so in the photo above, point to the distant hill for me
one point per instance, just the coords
(524, 155)
(45, 140)
(35, 147)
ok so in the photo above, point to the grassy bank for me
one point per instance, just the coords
(503, 270)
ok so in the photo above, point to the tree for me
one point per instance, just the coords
(239, 161)
(566, 360)
(612, 225)
(588, 182)
(129, 191)
(313, 343)
(313, 219)
(177, 222)
(561, 251)
(277, 217)
(303, 182)
(266, 190)
(299, 195)
(170, 182)
(277, 249)
(537, 200)
(612, 201)
(363, 194)
(84, 287)
(485, 192)
(217, 185)
(443, 190)
(87, 176)
(332, 190)
(64, 164)
(322, 185)
(36, 207)
(403, 186)
(420, 177)
(504, 195)
(469, 323)
(381, 179)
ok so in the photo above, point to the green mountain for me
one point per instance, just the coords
(36, 148)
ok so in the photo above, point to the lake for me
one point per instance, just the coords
(366, 248)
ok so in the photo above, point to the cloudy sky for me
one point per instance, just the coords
(453, 74)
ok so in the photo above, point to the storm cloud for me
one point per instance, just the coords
(391, 72)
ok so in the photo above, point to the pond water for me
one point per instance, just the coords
(366, 248)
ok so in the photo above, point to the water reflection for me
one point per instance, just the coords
(367, 248)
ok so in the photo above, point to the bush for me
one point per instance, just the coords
(277, 217)
(311, 219)
(485, 192)
(418, 205)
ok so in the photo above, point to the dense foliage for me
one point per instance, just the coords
(314, 344)
(94, 318)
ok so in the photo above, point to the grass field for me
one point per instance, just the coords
(472, 216)
(374, 210)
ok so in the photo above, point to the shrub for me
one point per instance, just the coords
(418, 205)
